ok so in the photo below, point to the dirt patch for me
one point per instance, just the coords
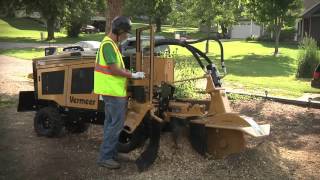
(290, 152)
(73, 157)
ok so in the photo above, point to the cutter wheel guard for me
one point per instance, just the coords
(64, 101)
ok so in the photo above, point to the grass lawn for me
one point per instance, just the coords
(23, 53)
(251, 66)
(28, 30)
(22, 30)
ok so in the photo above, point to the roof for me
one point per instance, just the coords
(312, 10)
(307, 4)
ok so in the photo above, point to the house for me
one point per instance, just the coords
(244, 29)
(309, 24)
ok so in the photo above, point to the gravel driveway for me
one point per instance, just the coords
(13, 73)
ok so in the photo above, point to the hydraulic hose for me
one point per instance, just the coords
(220, 45)
(192, 49)
(196, 53)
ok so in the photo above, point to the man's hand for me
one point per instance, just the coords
(137, 75)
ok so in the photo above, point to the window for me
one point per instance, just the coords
(82, 81)
(52, 82)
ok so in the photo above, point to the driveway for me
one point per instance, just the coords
(12, 45)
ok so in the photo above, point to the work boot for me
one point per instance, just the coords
(122, 158)
(110, 163)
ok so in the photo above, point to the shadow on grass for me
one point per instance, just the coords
(82, 37)
(254, 65)
(25, 24)
(21, 40)
(289, 45)
(6, 100)
(260, 65)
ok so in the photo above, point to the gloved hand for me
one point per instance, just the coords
(138, 75)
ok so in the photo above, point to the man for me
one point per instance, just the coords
(110, 81)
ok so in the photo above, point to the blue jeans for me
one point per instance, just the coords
(115, 112)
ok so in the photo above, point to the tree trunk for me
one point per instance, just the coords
(158, 24)
(208, 35)
(74, 30)
(277, 37)
(114, 9)
(224, 30)
(50, 28)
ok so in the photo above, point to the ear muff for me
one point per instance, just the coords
(120, 25)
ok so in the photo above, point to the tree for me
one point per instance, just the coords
(7, 8)
(205, 12)
(228, 12)
(114, 9)
(162, 9)
(78, 13)
(50, 10)
(155, 10)
(275, 14)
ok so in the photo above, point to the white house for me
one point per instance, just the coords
(244, 29)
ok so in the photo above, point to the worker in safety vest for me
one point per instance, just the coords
(110, 81)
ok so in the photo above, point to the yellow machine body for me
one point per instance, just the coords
(225, 130)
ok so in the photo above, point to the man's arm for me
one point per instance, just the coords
(119, 72)
(110, 57)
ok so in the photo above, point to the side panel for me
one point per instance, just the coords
(27, 101)
(52, 83)
(163, 71)
(80, 87)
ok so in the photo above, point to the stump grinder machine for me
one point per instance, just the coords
(63, 99)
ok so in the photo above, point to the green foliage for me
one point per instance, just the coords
(229, 12)
(191, 12)
(239, 97)
(275, 14)
(206, 13)
(179, 14)
(7, 8)
(70, 13)
(156, 11)
(5, 103)
(287, 34)
(251, 38)
(78, 13)
(186, 68)
(50, 10)
(309, 57)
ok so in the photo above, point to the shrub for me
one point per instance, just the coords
(265, 37)
(186, 68)
(308, 57)
(251, 38)
(287, 35)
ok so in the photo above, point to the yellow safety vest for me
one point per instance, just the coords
(104, 82)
